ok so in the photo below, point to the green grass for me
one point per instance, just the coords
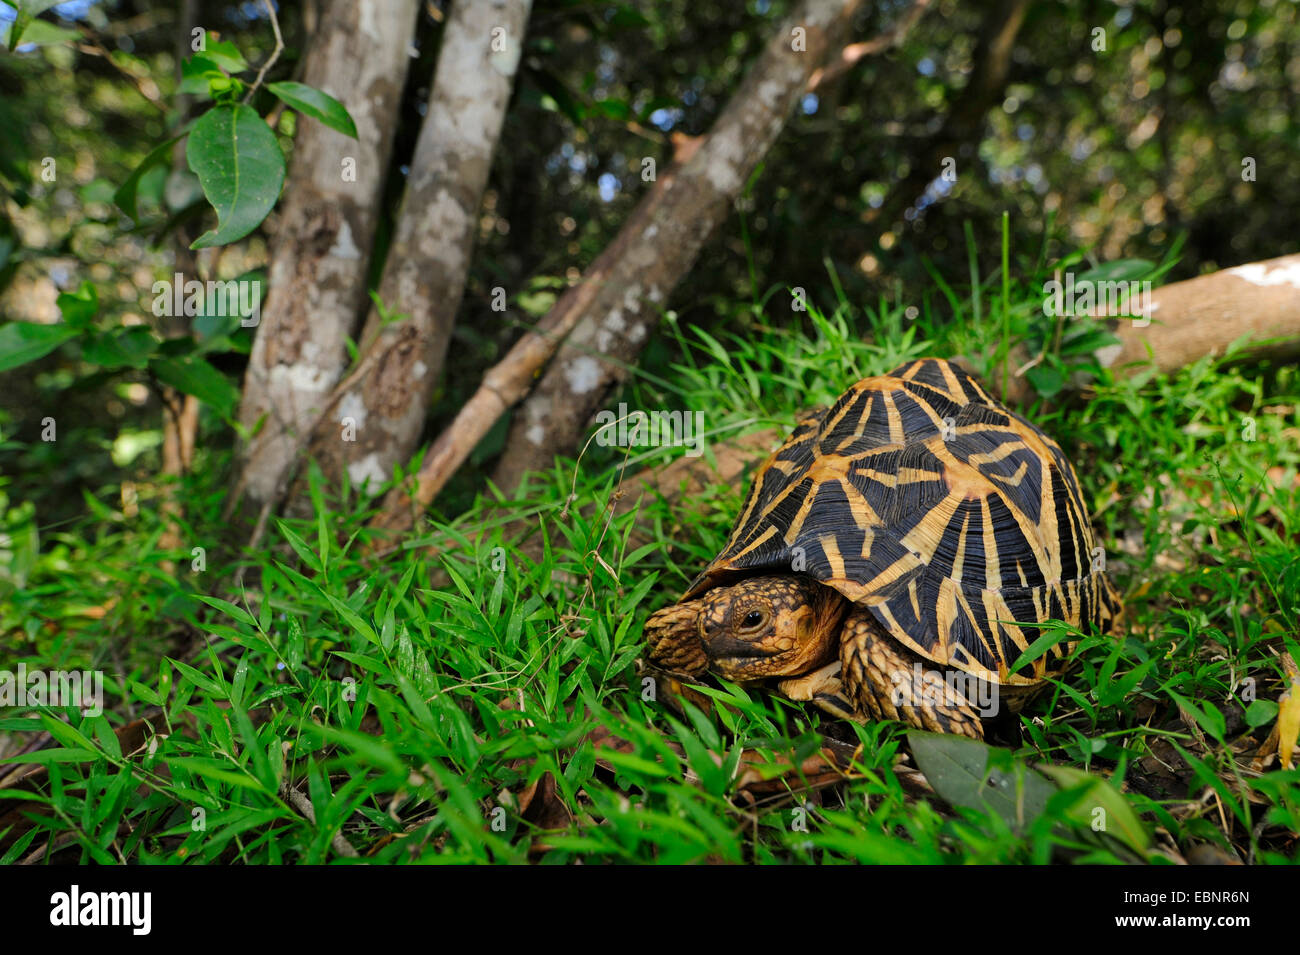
(474, 695)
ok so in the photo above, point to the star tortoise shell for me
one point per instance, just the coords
(956, 521)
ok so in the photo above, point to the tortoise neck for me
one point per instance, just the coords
(832, 607)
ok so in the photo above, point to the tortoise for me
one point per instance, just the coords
(894, 558)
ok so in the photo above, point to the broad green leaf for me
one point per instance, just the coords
(198, 72)
(229, 609)
(1117, 817)
(199, 679)
(219, 319)
(121, 348)
(1086, 340)
(634, 764)
(627, 17)
(557, 97)
(78, 308)
(300, 547)
(364, 662)
(107, 738)
(614, 108)
(225, 54)
(36, 33)
(62, 755)
(1047, 380)
(146, 693)
(966, 772)
(194, 376)
(98, 189)
(352, 618)
(367, 748)
(1206, 715)
(68, 735)
(242, 780)
(126, 196)
(1049, 639)
(240, 166)
(16, 851)
(312, 102)
(1121, 270)
(28, 11)
(1260, 713)
(21, 342)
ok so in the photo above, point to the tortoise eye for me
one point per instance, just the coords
(753, 620)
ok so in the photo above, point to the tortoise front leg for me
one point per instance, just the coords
(888, 681)
(824, 688)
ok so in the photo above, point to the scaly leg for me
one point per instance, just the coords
(889, 681)
(824, 688)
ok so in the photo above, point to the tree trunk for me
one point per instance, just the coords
(623, 310)
(320, 259)
(374, 417)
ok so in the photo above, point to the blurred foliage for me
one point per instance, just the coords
(1116, 151)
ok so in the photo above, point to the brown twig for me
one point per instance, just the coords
(303, 805)
(143, 85)
(275, 54)
(854, 52)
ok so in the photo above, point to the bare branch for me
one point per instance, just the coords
(275, 54)
(851, 54)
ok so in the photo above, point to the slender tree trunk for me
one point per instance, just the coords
(319, 263)
(623, 311)
(375, 415)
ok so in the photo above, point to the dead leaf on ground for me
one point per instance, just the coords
(541, 805)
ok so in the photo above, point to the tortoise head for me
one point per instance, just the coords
(761, 627)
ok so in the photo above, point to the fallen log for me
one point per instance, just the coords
(1183, 322)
